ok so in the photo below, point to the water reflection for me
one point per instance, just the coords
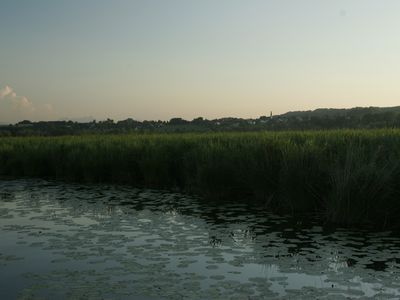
(65, 241)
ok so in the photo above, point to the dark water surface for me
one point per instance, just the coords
(66, 241)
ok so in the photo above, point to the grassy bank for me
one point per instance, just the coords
(349, 176)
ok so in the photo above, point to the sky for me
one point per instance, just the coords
(158, 59)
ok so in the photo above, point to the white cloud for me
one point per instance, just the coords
(14, 108)
(24, 103)
(7, 90)
(7, 94)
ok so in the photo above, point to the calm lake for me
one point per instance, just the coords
(70, 241)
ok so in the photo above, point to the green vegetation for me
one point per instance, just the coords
(349, 176)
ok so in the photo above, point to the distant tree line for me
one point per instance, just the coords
(320, 119)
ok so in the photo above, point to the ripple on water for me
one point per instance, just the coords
(71, 241)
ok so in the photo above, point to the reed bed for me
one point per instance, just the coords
(347, 176)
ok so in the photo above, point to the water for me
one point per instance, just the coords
(65, 241)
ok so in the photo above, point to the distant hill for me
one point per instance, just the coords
(319, 119)
(338, 112)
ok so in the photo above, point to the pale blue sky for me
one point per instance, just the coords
(157, 59)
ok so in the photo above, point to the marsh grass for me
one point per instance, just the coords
(349, 176)
(363, 187)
